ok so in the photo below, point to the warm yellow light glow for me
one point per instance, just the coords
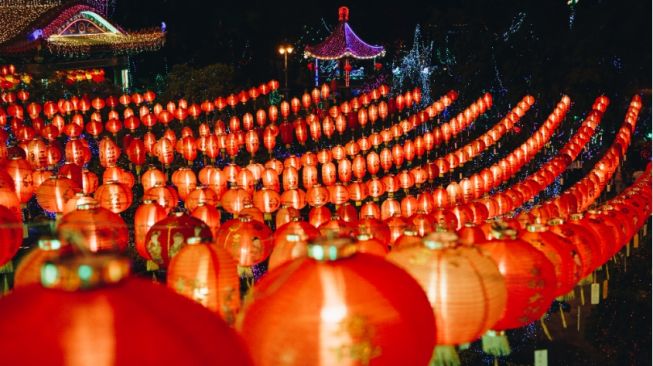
(285, 49)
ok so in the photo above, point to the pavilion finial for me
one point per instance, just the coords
(343, 14)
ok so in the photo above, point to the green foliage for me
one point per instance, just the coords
(198, 84)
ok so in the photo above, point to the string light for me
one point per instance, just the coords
(415, 68)
(343, 42)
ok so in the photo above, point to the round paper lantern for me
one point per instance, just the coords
(166, 197)
(201, 195)
(101, 320)
(470, 234)
(114, 196)
(207, 275)
(319, 215)
(146, 215)
(463, 285)
(93, 228)
(28, 271)
(235, 199)
(376, 228)
(11, 234)
(584, 239)
(409, 238)
(560, 252)
(53, 194)
(529, 277)
(290, 242)
(21, 173)
(248, 241)
(396, 224)
(349, 308)
(166, 237)
(366, 243)
(209, 215)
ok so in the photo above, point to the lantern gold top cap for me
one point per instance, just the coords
(500, 230)
(535, 228)
(49, 244)
(331, 249)
(74, 273)
(556, 221)
(440, 240)
(576, 216)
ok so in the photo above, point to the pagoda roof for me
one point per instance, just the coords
(343, 42)
(69, 28)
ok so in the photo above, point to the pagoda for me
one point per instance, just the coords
(343, 44)
(45, 36)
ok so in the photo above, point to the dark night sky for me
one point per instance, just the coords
(246, 33)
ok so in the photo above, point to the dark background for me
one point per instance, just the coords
(608, 49)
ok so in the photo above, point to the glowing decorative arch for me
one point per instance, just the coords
(93, 22)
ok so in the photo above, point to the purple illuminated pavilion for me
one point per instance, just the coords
(343, 43)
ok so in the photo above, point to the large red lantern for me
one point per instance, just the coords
(529, 278)
(336, 305)
(452, 276)
(11, 234)
(99, 285)
(560, 252)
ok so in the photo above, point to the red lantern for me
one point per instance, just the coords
(84, 285)
(94, 228)
(529, 277)
(248, 241)
(207, 275)
(452, 275)
(400, 318)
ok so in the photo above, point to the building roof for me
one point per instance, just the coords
(343, 42)
(70, 28)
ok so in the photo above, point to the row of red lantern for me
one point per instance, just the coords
(113, 125)
(493, 135)
(523, 191)
(149, 117)
(232, 143)
(585, 192)
(519, 264)
(84, 104)
(111, 152)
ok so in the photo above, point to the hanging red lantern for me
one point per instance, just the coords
(290, 242)
(248, 241)
(442, 273)
(114, 196)
(529, 277)
(53, 194)
(84, 285)
(412, 327)
(168, 236)
(94, 228)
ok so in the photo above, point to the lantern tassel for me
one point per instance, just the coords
(546, 329)
(562, 316)
(151, 266)
(496, 343)
(247, 274)
(5, 285)
(582, 296)
(7, 268)
(445, 356)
